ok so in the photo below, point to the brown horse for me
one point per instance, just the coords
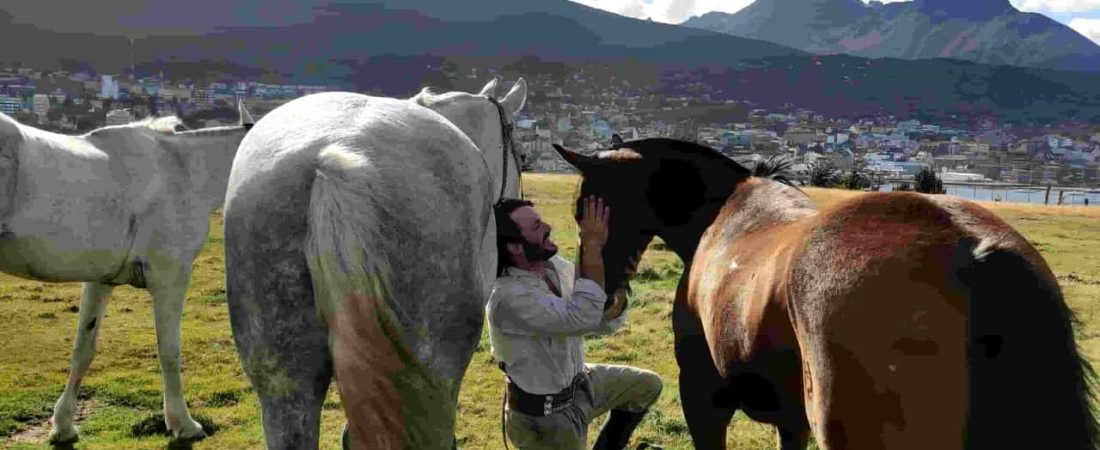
(887, 321)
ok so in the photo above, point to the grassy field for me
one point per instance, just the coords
(121, 396)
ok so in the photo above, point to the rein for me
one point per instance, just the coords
(508, 146)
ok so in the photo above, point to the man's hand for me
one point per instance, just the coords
(593, 235)
(593, 223)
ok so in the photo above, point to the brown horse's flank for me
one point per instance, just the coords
(888, 363)
(886, 321)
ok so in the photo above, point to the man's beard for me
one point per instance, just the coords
(536, 253)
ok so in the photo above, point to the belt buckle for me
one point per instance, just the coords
(548, 405)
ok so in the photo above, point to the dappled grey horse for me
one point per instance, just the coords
(360, 244)
(120, 205)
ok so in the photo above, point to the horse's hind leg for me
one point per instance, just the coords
(889, 374)
(793, 437)
(282, 344)
(93, 303)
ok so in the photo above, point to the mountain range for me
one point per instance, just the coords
(392, 46)
(984, 31)
(327, 40)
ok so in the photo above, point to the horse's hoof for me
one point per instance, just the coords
(62, 437)
(192, 433)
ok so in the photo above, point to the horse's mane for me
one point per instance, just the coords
(665, 148)
(167, 125)
(428, 97)
(162, 125)
(775, 168)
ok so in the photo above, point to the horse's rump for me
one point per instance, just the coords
(10, 139)
(921, 320)
(387, 266)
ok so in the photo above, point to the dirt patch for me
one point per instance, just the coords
(38, 433)
(1074, 278)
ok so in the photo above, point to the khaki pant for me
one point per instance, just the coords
(610, 387)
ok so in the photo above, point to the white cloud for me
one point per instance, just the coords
(635, 9)
(1057, 6)
(1089, 28)
(667, 11)
(676, 11)
(679, 10)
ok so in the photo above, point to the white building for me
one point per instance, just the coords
(119, 117)
(41, 106)
(10, 105)
(108, 87)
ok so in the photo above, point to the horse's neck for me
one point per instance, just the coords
(684, 240)
(208, 154)
(758, 203)
(481, 123)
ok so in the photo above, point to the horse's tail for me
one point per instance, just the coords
(1029, 386)
(349, 271)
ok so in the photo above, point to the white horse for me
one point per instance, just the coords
(360, 244)
(120, 205)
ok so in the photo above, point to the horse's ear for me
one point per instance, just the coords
(616, 140)
(513, 102)
(490, 89)
(246, 118)
(581, 162)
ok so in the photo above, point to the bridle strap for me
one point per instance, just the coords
(507, 146)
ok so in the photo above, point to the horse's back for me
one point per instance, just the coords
(400, 140)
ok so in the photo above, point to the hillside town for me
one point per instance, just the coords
(584, 109)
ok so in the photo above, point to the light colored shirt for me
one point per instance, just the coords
(540, 336)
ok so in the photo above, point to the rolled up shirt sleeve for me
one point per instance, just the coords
(533, 312)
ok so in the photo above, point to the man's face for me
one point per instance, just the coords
(537, 245)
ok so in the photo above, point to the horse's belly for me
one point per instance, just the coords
(59, 255)
(34, 259)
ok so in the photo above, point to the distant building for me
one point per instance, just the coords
(108, 87)
(796, 136)
(182, 94)
(909, 126)
(10, 105)
(119, 117)
(564, 124)
(204, 96)
(41, 106)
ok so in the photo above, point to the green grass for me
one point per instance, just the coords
(122, 391)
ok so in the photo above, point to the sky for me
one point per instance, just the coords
(1081, 15)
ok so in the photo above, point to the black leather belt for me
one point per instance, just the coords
(543, 405)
